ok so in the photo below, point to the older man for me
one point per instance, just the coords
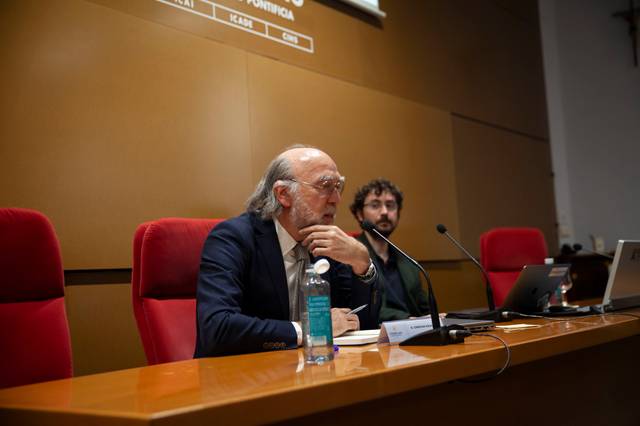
(249, 279)
(380, 202)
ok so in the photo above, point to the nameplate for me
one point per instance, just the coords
(397, 331)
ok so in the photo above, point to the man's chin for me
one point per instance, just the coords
(324, 220)
(328, 219)
(385, 231)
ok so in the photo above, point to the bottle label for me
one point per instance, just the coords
(319, 320)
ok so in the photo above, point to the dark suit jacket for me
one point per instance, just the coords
(416, 299)
(242, 297)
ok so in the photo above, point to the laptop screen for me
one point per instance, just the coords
(534, 287)
(623, 287)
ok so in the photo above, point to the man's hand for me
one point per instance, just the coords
(342, 322)
(331, 241)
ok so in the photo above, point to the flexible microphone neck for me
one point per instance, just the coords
(443, 230)
(433, 307)
(578, 247)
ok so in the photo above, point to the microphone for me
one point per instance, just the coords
(578, 247)
(443, 230)
(439, 335)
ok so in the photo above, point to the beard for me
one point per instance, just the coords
(304, 216)
(384, 226)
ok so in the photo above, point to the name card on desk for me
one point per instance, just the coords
(397, 331)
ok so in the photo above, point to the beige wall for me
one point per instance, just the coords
(503, 179)
(104, 336)
(116, 112)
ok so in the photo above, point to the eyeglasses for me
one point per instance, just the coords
(377, 205)
(326, 185)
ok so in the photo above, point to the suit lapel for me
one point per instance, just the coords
(269, 251)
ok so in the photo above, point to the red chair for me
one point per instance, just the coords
(503, 253)
(166, 261)
(34, 333)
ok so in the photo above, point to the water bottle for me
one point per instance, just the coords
(315, 315)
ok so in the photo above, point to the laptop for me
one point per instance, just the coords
(534, 287)
(470, 324)
(530, 293)
(623, 286)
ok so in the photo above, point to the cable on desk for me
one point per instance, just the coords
(504, 367)
(508, 350)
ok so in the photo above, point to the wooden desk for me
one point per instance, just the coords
(587, 365)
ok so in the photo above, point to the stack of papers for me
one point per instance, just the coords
(359, 337)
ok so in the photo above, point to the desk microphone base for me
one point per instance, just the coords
(446, 335)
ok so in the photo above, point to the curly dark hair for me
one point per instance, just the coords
(377, 186)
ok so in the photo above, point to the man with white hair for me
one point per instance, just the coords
(249, 280)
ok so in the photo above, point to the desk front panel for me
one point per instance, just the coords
(278, 386)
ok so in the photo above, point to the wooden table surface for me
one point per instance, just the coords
(277, 386)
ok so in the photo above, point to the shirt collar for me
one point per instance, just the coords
(287, 243)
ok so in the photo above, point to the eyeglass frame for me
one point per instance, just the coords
(327, 192)
(394, 207)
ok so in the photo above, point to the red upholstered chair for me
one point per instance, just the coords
(166, 261)
(34, 332)
(503, 253)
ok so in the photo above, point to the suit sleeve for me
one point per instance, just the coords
(347, 290)
(223, 328)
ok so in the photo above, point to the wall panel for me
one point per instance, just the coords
(503, 179)
(474, 58)
(479, 58)
(457, 285)
(130, 120)
(107, 120)
(104, 335)
(369, 134)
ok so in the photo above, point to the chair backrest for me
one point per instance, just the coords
(35, 344)
(166, 261)
(503, 253)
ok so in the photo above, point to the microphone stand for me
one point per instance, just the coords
(497, 315)
(490, 301)
(440, 335)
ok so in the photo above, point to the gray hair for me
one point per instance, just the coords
(263, 201)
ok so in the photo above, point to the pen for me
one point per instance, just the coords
(358, 309)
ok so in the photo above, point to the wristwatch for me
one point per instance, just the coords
(371, 272)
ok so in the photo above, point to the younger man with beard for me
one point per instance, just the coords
(380, 202)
